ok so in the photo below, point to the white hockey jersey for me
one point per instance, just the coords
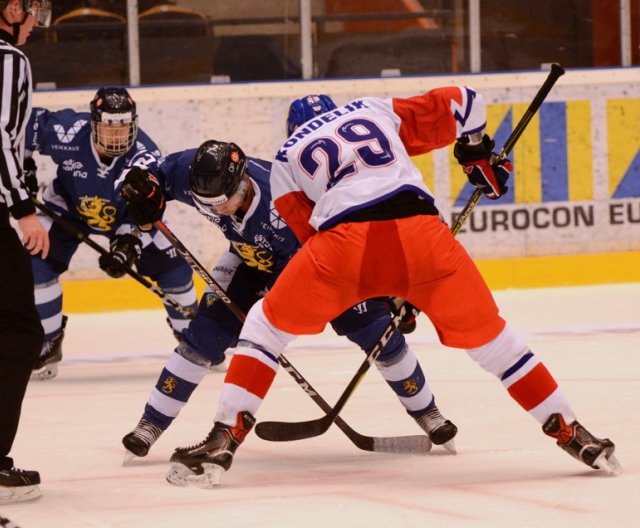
(359, 154)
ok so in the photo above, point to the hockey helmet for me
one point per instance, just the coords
(306, 108)
(217, 172)
(41, 12)
(114, 121)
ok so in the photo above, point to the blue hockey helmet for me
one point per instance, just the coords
(306, 108)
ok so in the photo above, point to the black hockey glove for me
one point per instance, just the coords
(123, 251)
(408, 322)
(490, 179)
(143, 195)
(29, 173)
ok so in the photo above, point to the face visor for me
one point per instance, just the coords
(222, 205)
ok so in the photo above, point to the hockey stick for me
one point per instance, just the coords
(417, 444)
(83, 237)
(556, 72)
(286, 431)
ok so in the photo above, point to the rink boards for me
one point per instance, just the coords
(572, 215)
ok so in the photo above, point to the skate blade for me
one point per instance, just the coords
(450, 446)
(608, 464)
(181, 475)
(9, 495)
(47, 372)
(129, 458)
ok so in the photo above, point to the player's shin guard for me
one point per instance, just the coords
(250, 375)
(526, 379)
(404, 375)
(181, 375)
(202, 465)
(186, 296)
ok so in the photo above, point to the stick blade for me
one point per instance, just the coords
(289, 431)
(412, 445)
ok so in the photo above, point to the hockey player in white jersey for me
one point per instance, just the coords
(345, 184)
(233, 192)
(91, 149)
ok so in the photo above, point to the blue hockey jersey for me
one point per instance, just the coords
(261, 239)
(84, 185)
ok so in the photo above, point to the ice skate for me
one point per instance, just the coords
(7, 523)
(203, 464)
(582, 445)
(439, 430)
(17, 485)
(46, 367)
(139, 441)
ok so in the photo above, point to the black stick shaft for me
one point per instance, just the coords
(82, 237)
(412, 444)
(556, 72)
(286, 431)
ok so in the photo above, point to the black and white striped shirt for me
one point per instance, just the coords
(15, 108)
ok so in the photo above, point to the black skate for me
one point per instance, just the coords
(18, 485)
(6, 523)
(139, 441)
(439, 430)
(202, 465)
(582, 445)
(46, 367)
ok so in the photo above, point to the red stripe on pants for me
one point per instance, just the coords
(535, 387)
(250, 374)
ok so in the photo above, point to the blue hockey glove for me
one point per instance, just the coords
(490, 179)
(124, 250)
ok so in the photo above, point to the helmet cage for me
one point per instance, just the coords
(114, 122)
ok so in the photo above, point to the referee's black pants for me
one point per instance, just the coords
(21, 333)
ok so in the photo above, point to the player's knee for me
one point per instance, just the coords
(500, 353)
(192, 354)
(257, 329)
(393, 355)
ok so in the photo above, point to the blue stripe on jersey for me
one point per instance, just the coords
(517, 366)
(462, 119)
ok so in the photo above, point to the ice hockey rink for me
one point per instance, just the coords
(506, 472)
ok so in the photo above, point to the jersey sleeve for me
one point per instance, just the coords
(292, 204)
(436, 118)
(173, 174)
(15, 104)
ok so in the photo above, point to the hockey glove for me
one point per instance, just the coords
(123, 251)
(407, 323)
(29, 171)
(143, 195)
(490, 179)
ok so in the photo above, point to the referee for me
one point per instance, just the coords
(21, 333)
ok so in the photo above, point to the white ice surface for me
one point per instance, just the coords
(507, 473)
